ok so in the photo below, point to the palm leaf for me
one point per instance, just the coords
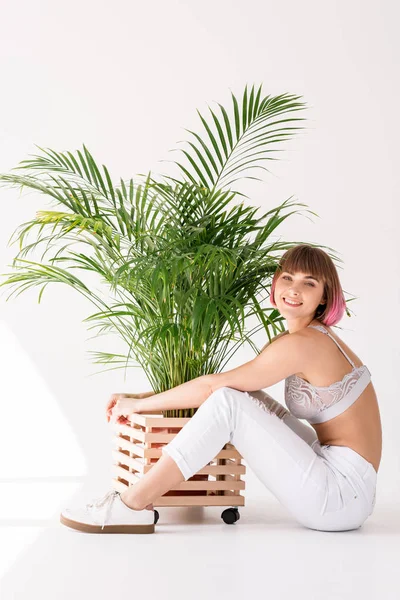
(234, 145)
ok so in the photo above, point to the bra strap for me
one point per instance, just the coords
(322, 328)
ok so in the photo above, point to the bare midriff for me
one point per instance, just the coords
(359, 427)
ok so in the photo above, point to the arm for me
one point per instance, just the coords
(140, 395)
(284, 357)
(267, 344)
(190, 394)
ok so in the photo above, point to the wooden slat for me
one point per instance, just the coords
(147, 444)
(217, 470)
(124, 474)
(199, 501)
(230, 477)
(185, 485)
(133, 463)
(132, 448)
(132, 432)
(156, 453)
(236, 477)
(226, 500)
(142, 436)
(139, 466)
(223, 470)
(150, 420)
(139, 450)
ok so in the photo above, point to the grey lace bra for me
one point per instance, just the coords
(318, 404)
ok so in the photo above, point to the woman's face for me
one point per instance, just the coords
(301, 288)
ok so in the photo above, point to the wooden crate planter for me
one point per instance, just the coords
(138, 448)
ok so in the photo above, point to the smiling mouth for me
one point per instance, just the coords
(289, 304)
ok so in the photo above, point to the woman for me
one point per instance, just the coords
(326, 474)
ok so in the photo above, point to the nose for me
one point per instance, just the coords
(293, 291)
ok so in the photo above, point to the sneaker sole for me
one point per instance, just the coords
(87, 528)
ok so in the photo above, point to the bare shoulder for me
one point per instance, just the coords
(290, 353)
(273, 339)
(285, 356)
(306, 343)
(301, 340)
(313, 340)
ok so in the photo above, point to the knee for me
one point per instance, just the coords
(233, 395)
(225, 392)
(224, 396)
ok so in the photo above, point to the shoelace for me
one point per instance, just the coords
(107, 500)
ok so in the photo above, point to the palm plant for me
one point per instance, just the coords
(181, 270)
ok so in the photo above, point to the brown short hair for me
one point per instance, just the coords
(315, 262)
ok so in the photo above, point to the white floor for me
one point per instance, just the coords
(193, 553)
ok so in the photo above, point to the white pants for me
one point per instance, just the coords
(328, 488)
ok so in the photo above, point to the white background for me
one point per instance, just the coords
(125, 79)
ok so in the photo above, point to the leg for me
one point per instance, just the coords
(166, 474)
(162, 477)
(306, 433)
(301, 478)
(279, 457)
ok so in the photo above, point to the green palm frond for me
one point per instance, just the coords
(83, 168)
(129, 209)
(238, 143)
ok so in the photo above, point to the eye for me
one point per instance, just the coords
(307, 283)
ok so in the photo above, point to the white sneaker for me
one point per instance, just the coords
(108, 515)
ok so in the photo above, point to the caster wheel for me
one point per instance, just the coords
(156, 516)
(230, 515)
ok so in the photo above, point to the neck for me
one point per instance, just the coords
(294, 326)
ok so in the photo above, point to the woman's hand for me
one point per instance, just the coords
(122, 409)
(122, 405)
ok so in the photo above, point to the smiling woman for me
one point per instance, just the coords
(307, 276)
